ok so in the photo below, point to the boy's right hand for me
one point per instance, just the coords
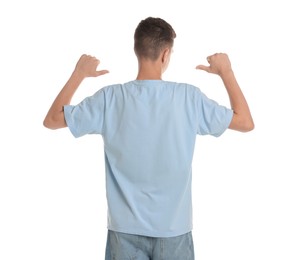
(87, 67)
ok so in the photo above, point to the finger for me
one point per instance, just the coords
(203, 67)
(101, 72)
(94, 60)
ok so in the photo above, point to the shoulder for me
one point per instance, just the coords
(107, 90)
(184, 87)
(110, 88)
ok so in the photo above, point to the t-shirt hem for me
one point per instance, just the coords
(228, 120)
(69, 121)
(151, 233)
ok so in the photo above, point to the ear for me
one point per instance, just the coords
(165, 55)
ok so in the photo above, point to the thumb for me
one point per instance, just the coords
(203, 67)
(101, 72)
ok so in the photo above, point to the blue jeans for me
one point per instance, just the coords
(121, 246)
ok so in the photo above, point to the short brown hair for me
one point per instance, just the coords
(151, 36)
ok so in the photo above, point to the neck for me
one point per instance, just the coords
(149, 70)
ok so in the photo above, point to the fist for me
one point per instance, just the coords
(219, 63)
(87, 66)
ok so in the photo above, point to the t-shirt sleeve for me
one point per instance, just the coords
(88, 116)
(213, 119)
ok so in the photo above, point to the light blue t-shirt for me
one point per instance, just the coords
(149, 129)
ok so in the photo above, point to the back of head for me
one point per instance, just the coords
(152, 36)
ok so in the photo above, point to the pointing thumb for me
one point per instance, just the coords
(101, 72)
(203, 67)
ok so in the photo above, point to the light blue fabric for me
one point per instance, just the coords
(149, 129)
(134, 247)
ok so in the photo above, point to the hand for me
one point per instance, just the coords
(87, 66)
(219, 64)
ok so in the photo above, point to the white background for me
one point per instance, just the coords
(52, 186)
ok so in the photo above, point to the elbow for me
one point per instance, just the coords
(48, 123)
(242, 124)
(249, 126)
(54, 123)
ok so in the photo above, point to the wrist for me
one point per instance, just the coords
(74, 81)
(78, 75)
(226, 73)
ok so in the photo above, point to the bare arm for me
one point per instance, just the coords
(85, 67)
(220, 65)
